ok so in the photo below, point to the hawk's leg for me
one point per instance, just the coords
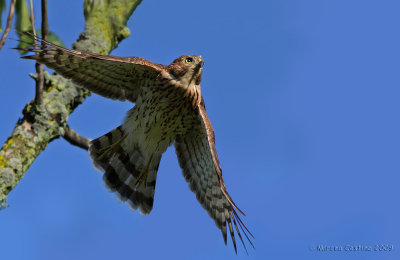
(110, 150)
(143, 174)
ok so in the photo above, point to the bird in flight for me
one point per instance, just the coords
(168, 109)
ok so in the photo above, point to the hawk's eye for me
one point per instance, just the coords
(189, 60)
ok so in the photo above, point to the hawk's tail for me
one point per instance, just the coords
(124, 167)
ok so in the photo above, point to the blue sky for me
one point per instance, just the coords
(304, 99)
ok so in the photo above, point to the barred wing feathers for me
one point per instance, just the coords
(109, 76)
(200, 166)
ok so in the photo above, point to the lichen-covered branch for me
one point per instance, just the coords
(41, 123)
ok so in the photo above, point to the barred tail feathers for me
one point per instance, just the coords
(101, 149)
(124, 165)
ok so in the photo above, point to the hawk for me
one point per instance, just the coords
(168, 109)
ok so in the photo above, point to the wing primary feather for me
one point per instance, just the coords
(28, 43)
(243, 228)
(224, 235)
(240, 236)
(232, 234)
(223, 189)
(241, 222)
(31, 35)
(23, 49)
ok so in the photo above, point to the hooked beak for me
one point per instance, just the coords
(200, 62)
(199, 66)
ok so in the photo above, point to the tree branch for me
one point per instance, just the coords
(45, 25)
(41, 123)
(76, 139)
(9, 23)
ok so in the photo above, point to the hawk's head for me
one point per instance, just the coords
(187, 69)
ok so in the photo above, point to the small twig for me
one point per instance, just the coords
(32, 20)
(75, 139)
(38, 67)
(39, 84)
(9, 23)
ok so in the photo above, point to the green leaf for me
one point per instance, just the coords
(23, 24)
(25, 43)
(23, 17)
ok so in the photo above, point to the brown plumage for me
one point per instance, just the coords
(169, 109)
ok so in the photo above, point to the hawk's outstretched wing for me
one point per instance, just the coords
(110, 76)
(200, 166)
